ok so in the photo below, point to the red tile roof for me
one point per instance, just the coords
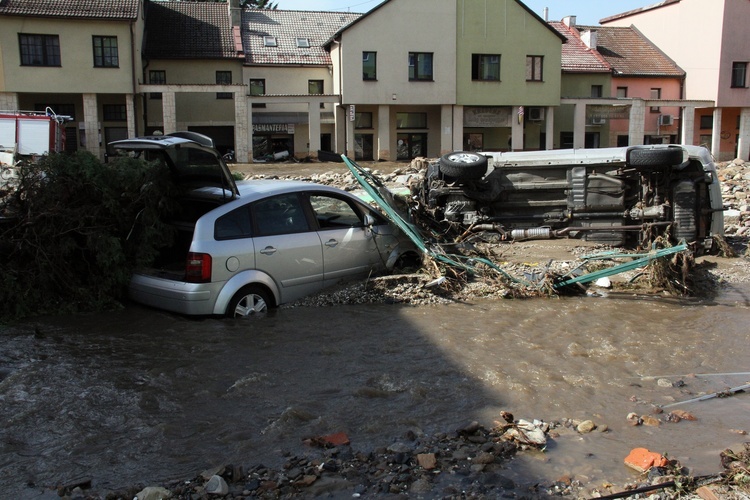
(190, 30)
(286, 26)
(630, 53)
(76, 9)
(577, 57)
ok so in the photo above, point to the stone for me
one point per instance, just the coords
(153, 493)
(484, 458)
(427, 461)
(217, 486)
(650, 421)
(603, 282)
(586, 426)
(664, 382)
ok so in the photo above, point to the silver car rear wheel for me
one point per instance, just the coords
(249, 301)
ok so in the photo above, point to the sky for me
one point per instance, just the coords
(586, 11)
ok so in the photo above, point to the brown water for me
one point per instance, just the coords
(141, 396)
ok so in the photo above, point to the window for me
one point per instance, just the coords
(622, 92)
(369, 66)
(315, 87)
(334, 213)
(485, 67)
(114, 112)
(224, 78)
(234, 225)
(303, 43)
(739, 75)
(282, 214)
(655, 94)
(269, 41)
(157, 77)
(597, 91)
(363, 120)
(420, 66)
(105, 52)
(411, 120)
(258, 87)
(39, 50)
(534, 68)
(707, 122)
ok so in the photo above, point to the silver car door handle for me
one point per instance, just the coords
(268, 251)
(331, 243)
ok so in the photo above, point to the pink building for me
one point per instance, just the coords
(712, 44)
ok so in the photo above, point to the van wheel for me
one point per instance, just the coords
(463, 165)
(250, 300)
(647, 157)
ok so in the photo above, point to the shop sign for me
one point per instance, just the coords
(488, 116)
(270, 127)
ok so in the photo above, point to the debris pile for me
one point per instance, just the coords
(735, 191)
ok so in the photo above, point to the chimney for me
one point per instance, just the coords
(235, 12)
(546, 14)
(569, 21)
(589, 38)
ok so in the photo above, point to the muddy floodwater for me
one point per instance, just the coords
(143, 397)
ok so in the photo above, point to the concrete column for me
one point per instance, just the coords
(91, 123)
(249, 131)
(169, 111)
(384, 133)
(241, 147)
(743, 148)
(341, 130)
(130, 112)
(349, 144)
(716, 135)
(458, 128)
(313, 126)
(516, 130)
(549, 128)
(579, 126)
(688, 125)
(446, 129)
(637, 122)
(8, 101)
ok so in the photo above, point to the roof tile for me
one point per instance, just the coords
(632, 54)
(287, 26)
(77, 9)
(577, 57)
(189, 30)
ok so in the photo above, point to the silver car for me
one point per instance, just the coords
(245, 246)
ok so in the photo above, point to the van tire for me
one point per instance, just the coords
(250, 300)
(463, 165)
(648, 157)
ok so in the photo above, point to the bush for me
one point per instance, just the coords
(74, 229)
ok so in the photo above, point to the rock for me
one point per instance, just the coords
(427, 461)
(664, 382)
(217, 486)
(650, 421)
(153, 493)
(484, 458)
(603, 282)
(586, 426)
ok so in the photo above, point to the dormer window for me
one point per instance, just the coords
(270, 41)
(303, 43)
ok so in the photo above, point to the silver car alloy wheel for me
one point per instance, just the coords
(249, 305)
(463, 157)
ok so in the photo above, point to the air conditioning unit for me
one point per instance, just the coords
(536, 114)
(598, 120)
(666, 119)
